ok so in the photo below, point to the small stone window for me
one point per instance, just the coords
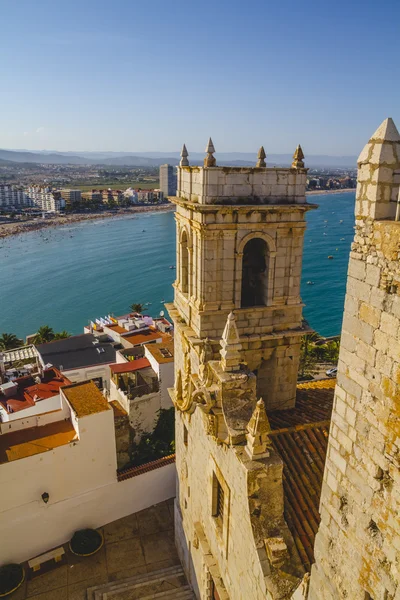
(255, 273)
(218, 504)
(185, 435)
(220, 509)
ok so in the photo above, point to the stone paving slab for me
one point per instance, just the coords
(137, 544)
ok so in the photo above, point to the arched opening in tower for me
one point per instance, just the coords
(255, 273)
(184, 263)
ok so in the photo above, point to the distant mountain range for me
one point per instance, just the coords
(154, 159)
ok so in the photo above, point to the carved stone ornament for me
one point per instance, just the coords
(183, 387)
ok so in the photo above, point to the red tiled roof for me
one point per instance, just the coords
(51, 382)
(155, 464)
(300, 436)
(128, 367)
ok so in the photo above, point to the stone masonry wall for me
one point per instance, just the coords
(358, 545)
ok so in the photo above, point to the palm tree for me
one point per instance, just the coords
(137, 307)
(61, 335)
(44, 334)
(8, 341)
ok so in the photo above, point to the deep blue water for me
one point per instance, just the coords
(91, 269)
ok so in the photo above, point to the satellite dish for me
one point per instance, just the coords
(162, 313)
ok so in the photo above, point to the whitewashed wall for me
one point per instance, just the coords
(84, 492)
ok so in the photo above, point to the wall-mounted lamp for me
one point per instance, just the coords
(45, 497)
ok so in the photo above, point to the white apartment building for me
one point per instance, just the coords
(45, 198)
(12, 196)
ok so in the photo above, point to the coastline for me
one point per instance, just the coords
(323, 192)
(18, 227)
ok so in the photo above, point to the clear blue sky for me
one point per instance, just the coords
(150, 75)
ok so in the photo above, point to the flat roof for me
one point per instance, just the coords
(77, 352)
(143, 337)
(85, 398)
(35, 440)
(163, 353)
(28, 391)
(132, 365)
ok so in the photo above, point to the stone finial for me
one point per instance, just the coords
(298, 156)
(261, 158)
(231, 346)
(258, 428)
(385, 135)
(184, 157)
(209, 160)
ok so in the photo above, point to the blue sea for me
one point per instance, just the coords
(66, 276)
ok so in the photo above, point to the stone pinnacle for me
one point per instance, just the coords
(231, 346)
(209, 160)
(184, 157)
(298, 158)
(261, 158)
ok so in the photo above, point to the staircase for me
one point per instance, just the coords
(164, 584)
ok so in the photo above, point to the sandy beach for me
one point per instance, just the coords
(16, 227)
(319, 192)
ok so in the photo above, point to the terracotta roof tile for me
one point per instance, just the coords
(128, 367)
(300, 436)
(85, 398)
(35, 440)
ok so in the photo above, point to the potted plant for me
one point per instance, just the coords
(86, 542)
(11, 577)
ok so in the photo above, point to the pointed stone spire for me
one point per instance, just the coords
(378, 165)
(184, 157)
(261, 158)
(209, 160)
(385, 135)
(298, 158)
(231, 346)
(258, 428)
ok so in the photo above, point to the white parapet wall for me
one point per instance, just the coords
(28, 531)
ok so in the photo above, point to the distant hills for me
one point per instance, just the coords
(154, 159)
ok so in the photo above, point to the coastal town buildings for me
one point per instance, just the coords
(81, 357)
(12, 196)
(45, 198)
(58, 462)
(71, 197)
(168, 180)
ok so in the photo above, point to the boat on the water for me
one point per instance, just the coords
(310, 283)
(330, 256)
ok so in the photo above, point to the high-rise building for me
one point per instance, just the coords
(71, 197)
(45, 198)
(168, 180)
(12, 196)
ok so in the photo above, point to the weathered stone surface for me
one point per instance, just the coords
(357, 547)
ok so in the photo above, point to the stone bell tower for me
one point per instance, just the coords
(239, 248)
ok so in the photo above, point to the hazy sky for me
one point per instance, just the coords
(139, 76)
